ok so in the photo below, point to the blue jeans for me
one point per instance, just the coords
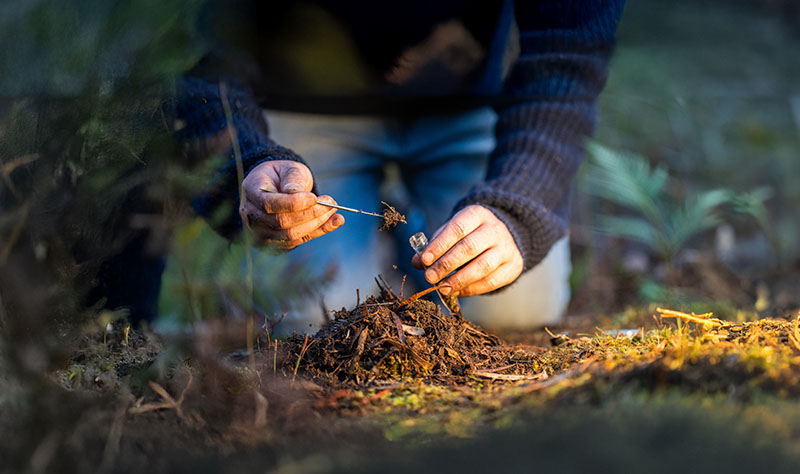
(422, 167)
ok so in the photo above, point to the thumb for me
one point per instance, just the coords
(295, 178)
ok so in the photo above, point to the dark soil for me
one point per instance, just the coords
(386, 337)
(392, 369)
(104, 358)
(391, 217)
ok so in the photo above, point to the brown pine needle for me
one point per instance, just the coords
(508, 377)
(795, 337)
(275, 358)
(306, 345)
(23, 160)
(168, 401)
(162, 392)
(419, 295)
(704, 319)
(795, 342)
(797, 328)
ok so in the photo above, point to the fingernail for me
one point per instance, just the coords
(430, 275)
(427, 258)
(338, 220)
(292, 188)
(445, 290)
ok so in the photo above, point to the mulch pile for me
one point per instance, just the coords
(385, 337)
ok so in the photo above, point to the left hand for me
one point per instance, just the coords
(480, 246)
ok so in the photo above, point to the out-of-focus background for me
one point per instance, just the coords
(706, 91)
(699, 125)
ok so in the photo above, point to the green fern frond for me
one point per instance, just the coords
(664, 222)
(626, 180)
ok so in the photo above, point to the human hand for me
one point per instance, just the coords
(279, 207)
(479, 245)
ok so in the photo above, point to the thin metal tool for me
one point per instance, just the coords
(349, 209)
(336, 206)
(418, 242)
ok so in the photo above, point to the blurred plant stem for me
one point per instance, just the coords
(247, 235)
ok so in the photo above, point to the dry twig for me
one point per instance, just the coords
(703, 319)
(419, 295)
(794, 337)
(262, 404)
(168, 402)
(306, 345)
(509, 377)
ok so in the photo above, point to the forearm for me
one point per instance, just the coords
(552, 90)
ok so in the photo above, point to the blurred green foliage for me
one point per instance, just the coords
(87, 154)
(647, 212)
(91, 49)
(716, 102)
(205, 277)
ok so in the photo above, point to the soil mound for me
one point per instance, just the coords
(385, 337)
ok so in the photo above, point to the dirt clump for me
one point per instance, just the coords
(391, 217)
(386, 337)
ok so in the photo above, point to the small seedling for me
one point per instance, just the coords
(391, 217)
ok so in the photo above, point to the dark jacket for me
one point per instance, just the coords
(540, 63)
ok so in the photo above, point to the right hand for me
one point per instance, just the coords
(279, 207)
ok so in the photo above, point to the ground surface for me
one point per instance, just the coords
(721, 394)
(703, 86)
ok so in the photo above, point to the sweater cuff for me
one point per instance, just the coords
(521, 234)
(290, 157)
(219, 204)
(518, 230)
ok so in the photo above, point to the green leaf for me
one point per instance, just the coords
(633, 228)
(698, 213)
(626, 180)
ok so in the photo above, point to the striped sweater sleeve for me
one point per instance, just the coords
(552, 90)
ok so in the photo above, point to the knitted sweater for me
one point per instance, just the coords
(541, 64)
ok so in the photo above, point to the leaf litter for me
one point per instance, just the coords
(389, 338)
(386, 339)
(402, 364)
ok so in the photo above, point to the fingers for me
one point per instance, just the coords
(289, 226)
(459, 226)
(280, 186)
(476, 250)
(466, 249)
(279, 208)
(299, 231)
(279, 203)
(484, 264)
(333, 223)
(288, 220)
(264, 185)
(294, 178)
(504, 275)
